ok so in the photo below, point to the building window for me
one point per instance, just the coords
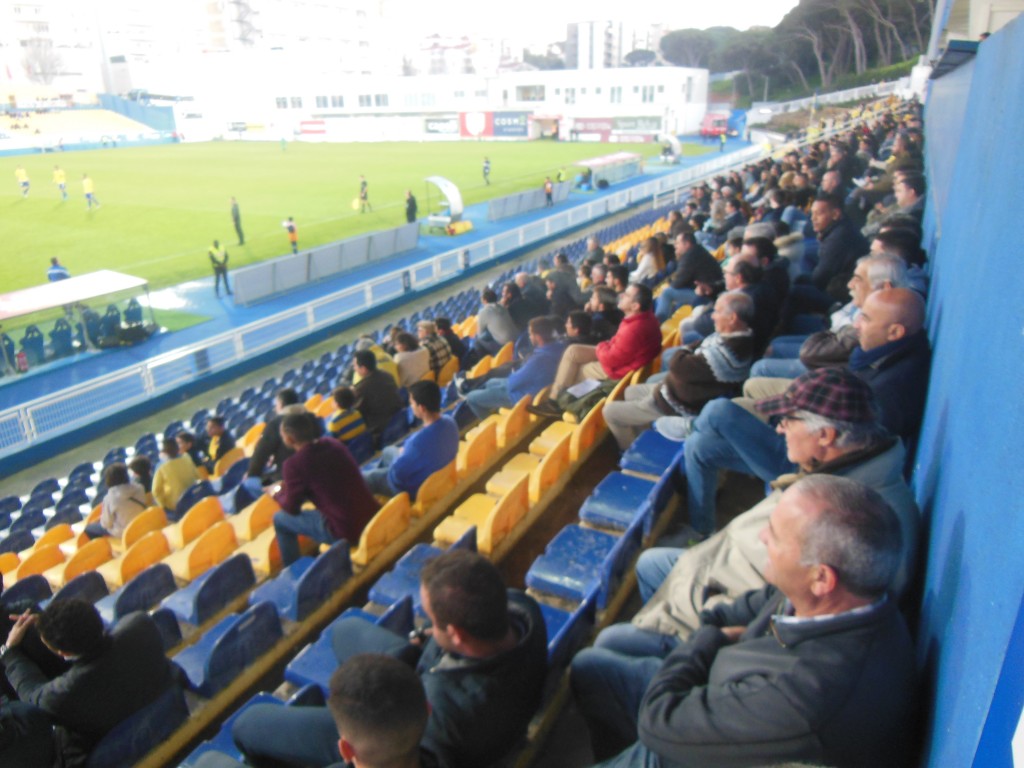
(648, 94)
(688, 89)
(636, 89)
(558, 91)
(337, 101)
(598, 90)
(321, 102)
(380, 100)
(570, 95)
(411, 100)
(365, 100)
(282, 102)
(615, 94)
(460, 94)
(529, 93)
(480, 94)
(583, 91)
(296, 102)
(661, 89)
(427, 99)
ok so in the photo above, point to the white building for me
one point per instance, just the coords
(616, 105)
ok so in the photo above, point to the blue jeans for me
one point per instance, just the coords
(96, 531)
(377, 478)
(725, 436)
(786, 347)
(309, 522)
(653, 568)
(670, 299)
(608, 688)
(489, 398)
(777, 368)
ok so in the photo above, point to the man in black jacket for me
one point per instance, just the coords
(817, 668)
(840, 245)
(270, 451)
(693, 264)
(112, 674)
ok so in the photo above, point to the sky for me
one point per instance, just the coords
(547, 19)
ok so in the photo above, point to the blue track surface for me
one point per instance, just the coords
(197, 297)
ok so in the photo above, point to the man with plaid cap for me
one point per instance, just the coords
(829, 421)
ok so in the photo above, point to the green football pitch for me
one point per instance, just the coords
(161, 207)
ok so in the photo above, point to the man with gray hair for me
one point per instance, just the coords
(817, 667)
(713, 367)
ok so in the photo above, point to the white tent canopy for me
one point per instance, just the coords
(451, 194)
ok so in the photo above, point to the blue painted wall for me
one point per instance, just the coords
(969, 475)
(157, 118)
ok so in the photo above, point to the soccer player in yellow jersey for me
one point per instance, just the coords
(61, 180)
(90, 196)
(22, 176)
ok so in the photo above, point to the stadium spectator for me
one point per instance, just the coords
(483, 667)
(187, 444)
(384, 361)
(112, 674)
(839, 247)
(537, 372)
(618, 277)
(270, 452)
(697, 373)
(605, 314)
(413, 361)
(595, 253)
(693, 264)
(598, 274)
(532, 287)
(320, 471)
(560, 300)
(173, 476)
(57, 271)
(455, 344)
(579, 328)
(494, 326)
(345, 423)
(583, 281)
(438, 349)
(636, 343)
(522, 309)
(377, 395)
(122, 503)
(816, 668)
(758, 248)
(219, 442)
(650, 262)
(141, 469)
(905, 243)
(428, 449)
(219, 261)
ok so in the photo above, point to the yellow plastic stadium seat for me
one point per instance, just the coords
(545, 442)
(203, 515)
(149, 520)
(56, 535)
(434, 488)
(264, 554)
(314, 401)
(150, 549)
(225, 462)
(326, 408)
(213, 547)
(477, 450)
(480, 368)
(9, 561)
(618, 393)
(87, 558)
(505, 516)
(250, 438)
(255, 519)
(590, 429)
(447, 372)
(387, 525)
(513, 422)
(203, 472)
(94, 516)
(539, 398)
(503, 355)
(39, 561)
(473, 511)
(550, 468)
(671, 340)
(520, 466)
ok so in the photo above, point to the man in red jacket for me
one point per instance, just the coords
(635, 343)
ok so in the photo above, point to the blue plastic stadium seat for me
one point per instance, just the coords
(88, 586)
(28, 520)
(196, 491)
(144, 591)
(303, 586)
(5, 521)
(571, 564)
(463, 415)
(133, 738)
(167, 624)
(617, 501)
(15, 541)
(650, 454)
(229, 647)
(568, 632)
(49, 485)
(9, 504)
(614, 566)
(74, 485)
(69, 514)
(213, 591)
(38, 501)
(223, 742)
(231, 478)
(361, 447)
(414, 560)
(34, 588)
(396, 428)
(396, 585)
(114, 454)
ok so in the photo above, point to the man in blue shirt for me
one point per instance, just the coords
(536, 373)
(427, 450)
